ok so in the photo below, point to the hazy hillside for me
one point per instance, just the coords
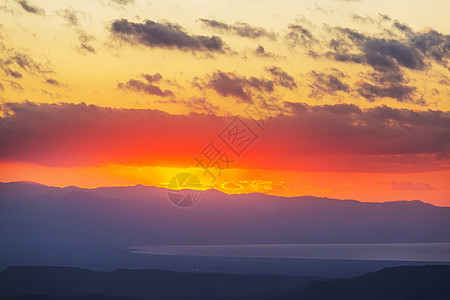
(34, 216)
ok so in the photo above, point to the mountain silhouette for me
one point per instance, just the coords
(400, 283)
(154, 284)
(139, 215)
(424, 282)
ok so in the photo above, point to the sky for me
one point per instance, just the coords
(344, 99)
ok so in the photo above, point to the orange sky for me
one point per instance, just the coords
(343, 99)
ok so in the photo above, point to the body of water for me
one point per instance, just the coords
(407, 252)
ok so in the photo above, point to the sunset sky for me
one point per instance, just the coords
(344, 99)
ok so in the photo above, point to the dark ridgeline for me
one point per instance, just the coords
(153, 284)
(38, 216)
(400, 283)
(426, 282)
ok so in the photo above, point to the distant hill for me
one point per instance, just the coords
(400, 283)
(153, 284)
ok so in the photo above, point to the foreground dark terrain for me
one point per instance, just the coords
(425, 282)
(153, 284)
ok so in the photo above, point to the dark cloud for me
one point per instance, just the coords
(433, 44)
(239, 29)
(260, 51)
(402, 49)
(31, 8)
(227, 84)
(388, 55)
(282, 78)
(153, 78)
(391, 53)
(245, 88)
(391, 84)
(386, 78)
(165, 35)
(230, 84)
(410, 50)
(147, 87)
(53, 81)
(12, 73)
(397, 91)
(378, 130)
(327, 84)
(261, 84)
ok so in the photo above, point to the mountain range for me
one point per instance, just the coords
(141, 215)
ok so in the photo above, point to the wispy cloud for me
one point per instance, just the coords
(241, 29)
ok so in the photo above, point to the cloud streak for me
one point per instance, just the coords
(15, 63)
(72, 18)
(328, 84)
(240, 87)
(241, 29)
(148, 87)
(165, 35)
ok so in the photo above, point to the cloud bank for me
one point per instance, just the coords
(323, 137)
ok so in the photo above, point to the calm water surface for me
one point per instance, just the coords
(411, 252)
